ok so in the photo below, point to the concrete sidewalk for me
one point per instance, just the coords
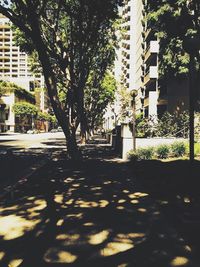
(95, 213)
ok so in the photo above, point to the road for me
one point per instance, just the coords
(26, 151)
(40, 141)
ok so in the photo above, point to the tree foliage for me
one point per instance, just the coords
(125, 102)
(42, 116)
(24, 109)
(169, 125)
(99, 93)
(174, 22)
(71, 38)
(8, 87)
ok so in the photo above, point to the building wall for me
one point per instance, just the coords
(15, 68)
(128, 44)
(128, 64)
(10, 122)
(139, 47)
(139, 65)
(42, 99)
(14, 65)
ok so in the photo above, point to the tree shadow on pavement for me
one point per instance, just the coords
(175, 186)
(91, 214)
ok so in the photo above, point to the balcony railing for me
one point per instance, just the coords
(153, 48)
(151, 74)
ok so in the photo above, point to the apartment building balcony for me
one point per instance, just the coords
(141, 98)
(151, 74)
(148, 34)
(4, 57)
(153, 48)
(4, 26)
(4, 47)
(144, 2)
(126, 10)
(124, 70)
(127, 27)
(4, 37)
(127, 37)
(143, 56)
(4, 68)
(123, 78)
(146, 101)
(162, 100)
(126, 45)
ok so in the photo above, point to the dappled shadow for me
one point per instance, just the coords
(175, 186)
(95, 213)
(14, 162)
(5, 134)
(97, 148)
(7, 140)
(55, 143)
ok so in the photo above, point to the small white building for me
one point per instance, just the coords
(8, 120)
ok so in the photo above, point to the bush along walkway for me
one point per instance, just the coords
(95, 213)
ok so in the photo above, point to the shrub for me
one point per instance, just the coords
(142, 126)
(132, 155)
(196, 149)
(162, 151)
(141, 154)
(145, 153)
(178, 149)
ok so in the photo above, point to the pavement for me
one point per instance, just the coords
(31, 141)
(99, 212)
(25, 153)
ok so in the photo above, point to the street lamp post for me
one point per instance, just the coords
(191, 45)
(32, 121)
(191, 108)
(134, 94)
(115, 117)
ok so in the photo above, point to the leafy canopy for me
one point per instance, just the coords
(174, 21)
(72, 39)
(99, 93)
(24, 109)
(8, 87)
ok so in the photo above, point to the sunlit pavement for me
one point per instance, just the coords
(21, 153)
(93, 213)
(27, 141)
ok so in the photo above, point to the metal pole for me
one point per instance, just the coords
(191, 107)
(134, 128)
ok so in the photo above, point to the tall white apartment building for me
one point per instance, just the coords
(139, 66)
(14, 66)
(139, 71)
(132, 48)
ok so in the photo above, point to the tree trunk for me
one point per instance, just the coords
(51, 83)
(81, 114)
(83, 133)
(72, 147)
(35, 34)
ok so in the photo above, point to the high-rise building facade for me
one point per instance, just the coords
(14, 64)
(139, 62)
(15, 68)
(150, 88)
(139, 51)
